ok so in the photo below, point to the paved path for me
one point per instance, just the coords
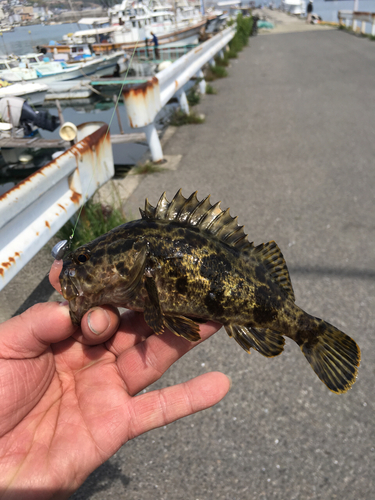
(288, 144)
(285, 23)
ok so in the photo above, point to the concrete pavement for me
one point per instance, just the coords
(288, 145)
(285, 23)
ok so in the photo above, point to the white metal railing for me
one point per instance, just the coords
(144, 101)
(363, 22)
(35, 209)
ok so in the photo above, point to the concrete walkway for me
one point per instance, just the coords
(288, 144)
(285, 23)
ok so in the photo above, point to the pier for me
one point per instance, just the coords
(288, 145)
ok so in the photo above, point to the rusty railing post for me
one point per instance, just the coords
(154, 142)
(202, 82)
(184, 105)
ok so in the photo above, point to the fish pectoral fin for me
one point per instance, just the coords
(265, 341)
(134, 278)
(152, 313)
(183, 327)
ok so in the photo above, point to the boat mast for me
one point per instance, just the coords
(202, 7)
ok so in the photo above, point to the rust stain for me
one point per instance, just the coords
(61, 207)
(131, 122)
(11, 261)
(140, 89)
(86, 144)
(96, 138)
(75, 197)
(37, 234)
(47, 224)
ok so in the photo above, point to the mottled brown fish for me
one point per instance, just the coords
(186, 261)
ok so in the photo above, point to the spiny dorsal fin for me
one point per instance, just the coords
(274, 261)
(209, 218)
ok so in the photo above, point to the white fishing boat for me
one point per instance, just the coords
(127, 26)
(130, 25)
(33, 92)
(11, 71)
(129, 37)
(294, 7)
(79, 89)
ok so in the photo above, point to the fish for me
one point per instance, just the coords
(186, 262)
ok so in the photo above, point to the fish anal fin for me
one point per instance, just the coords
(274, 261)
(183, 327)
(267, 342)
(152, 313)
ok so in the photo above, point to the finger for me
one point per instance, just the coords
(55, 273)
(146, 362)
(158, 408)
(98, 325)
(30, 333)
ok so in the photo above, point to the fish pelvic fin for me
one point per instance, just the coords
(152, 312)
(267, 342)
(332, 354)
(183, 327)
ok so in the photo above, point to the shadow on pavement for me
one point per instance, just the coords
(99, 480)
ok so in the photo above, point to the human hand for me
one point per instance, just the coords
(69, 395)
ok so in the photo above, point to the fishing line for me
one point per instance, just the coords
(63, 246)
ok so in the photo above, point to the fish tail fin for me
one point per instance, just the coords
(332, 354)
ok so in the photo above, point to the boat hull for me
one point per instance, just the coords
(105, 65)
(34, 93)
(185, 36)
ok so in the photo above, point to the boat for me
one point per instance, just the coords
(20, 120)
(18, 113)
(294, 7)
(79, 89)
(129, 26)
(5, 29)
(33, 92)
(13, 71)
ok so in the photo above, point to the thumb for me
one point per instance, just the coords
(29, 334)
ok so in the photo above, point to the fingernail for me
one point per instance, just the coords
(230, 382)
(98, 321)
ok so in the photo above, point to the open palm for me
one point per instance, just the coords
(66, 406)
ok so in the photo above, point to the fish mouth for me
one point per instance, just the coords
(69, 288)
(79, 302)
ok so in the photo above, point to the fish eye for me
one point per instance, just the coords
(83, 257)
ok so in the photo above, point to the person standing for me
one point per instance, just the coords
(309, 11)
(156, 45)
